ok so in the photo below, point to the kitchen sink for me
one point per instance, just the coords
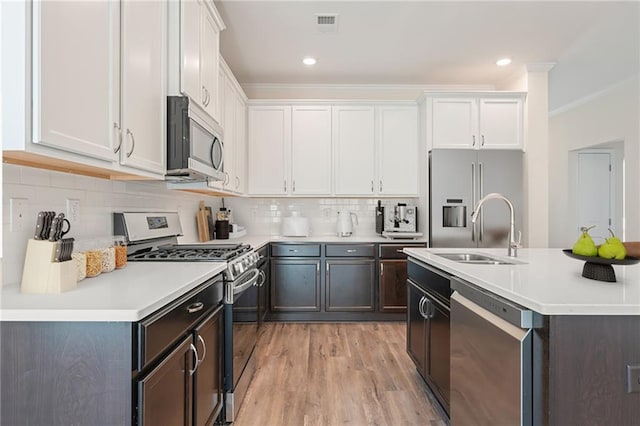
(474, 258)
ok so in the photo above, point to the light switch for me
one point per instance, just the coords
(633, 378)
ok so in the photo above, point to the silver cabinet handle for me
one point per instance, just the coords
(482, 143)
(227, 178)
(133, 142)
(381, 268)
(421, 305)
(195, 307)
(425, 314)
(380, 185)
(195, 355)
(294, 250)
(293, 186)
(474, 140)
(117, 127)
(351, 250)
(285, 185)
(237, 182)
(204, 349)
(204, 95)
(399, 251)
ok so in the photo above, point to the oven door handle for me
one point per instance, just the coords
(250, 282)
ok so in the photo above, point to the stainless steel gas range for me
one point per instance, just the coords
(152, 237)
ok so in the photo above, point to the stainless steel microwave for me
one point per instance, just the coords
(195, 152)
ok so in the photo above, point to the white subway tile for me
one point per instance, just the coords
(35, 177)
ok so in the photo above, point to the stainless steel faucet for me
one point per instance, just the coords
(512, 248)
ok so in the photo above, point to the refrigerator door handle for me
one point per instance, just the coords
(481, 179)
(473, 198)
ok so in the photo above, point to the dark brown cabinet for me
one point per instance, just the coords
(393, 277)
(207, 338)
(350, 285)
(295, 285)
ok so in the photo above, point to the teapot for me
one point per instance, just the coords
(344, 225)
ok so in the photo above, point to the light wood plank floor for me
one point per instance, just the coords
(333, 374)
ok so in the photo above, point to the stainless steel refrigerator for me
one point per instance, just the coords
(457, 180)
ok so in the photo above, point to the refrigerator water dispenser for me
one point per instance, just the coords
(454, 216)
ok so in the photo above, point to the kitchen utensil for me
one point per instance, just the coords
(37, 234)
(379, 218)
(46, 225)
(57, 227)
(211, 223)
(599, 268)
(344, 225)
(202, 222)
(222, 229)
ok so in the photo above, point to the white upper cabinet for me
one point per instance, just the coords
(269, 144)
(475, 121)
(143, 94)
(230, 133)
(354, 160)
(398, 152)
(199, 32)
(311, 150)
(75, 77)
(240, 153)
(501, 124)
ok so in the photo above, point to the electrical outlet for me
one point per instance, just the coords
(73, 210)
(18, 214)
(633, 378)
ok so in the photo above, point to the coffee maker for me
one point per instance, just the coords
(400, 221)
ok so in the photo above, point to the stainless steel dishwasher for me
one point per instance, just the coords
(491, 358)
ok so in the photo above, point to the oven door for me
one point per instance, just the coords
(241, 334)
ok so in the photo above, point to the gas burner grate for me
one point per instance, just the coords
(191, 253)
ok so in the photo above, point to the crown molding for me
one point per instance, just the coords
(365, 87)
(540, 66)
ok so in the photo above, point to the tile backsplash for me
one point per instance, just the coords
(264, 215)
(47, 190)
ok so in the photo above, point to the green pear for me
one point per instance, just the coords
(612, 248)
(585, 245)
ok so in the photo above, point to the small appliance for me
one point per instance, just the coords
(344, 225)
(401, 221)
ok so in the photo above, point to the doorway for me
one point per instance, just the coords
(599, 181)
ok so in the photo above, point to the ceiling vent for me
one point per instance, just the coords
(327, 22)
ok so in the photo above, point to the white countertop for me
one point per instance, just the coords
(547, 281)
(139, 289)
(128, 294)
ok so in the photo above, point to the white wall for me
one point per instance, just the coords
(46, 190)
(611, 116)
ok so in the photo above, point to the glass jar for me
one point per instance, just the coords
(80, 259)
(121, 251)
(94, 258)
(108, 255)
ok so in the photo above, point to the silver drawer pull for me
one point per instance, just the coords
(399, 251)
(351, 250)
(294, 250)
(195, 307)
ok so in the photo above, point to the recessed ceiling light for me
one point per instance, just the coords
(503, 62)
(309, 61)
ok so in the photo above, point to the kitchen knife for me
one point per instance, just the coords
(58, 256)
(39, 225)
(46, 228)
(54, 230)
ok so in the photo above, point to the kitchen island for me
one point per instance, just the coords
(584, 350)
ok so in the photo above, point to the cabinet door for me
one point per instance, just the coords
(230, 101)
(439, 351)
(240, 179)
(393, 285)
(295, 285)
(311, 150)
(144, 94)
(501, 123)
(416, 327)
(210, 43)
(353, 135)
(75, 80)
(190, 30)
(398, 163)
(208, 379)
(269, 140)
(350, 285)
(454, 122)
(165, 395)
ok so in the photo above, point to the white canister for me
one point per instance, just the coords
(295, 226)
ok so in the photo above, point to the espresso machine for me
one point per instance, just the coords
(399, 221)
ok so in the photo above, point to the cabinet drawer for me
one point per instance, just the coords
(394, 251)
(295, 250)
(350, 250)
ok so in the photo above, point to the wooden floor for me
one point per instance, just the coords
(333, 374)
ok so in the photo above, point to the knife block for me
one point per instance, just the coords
(41, 274)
